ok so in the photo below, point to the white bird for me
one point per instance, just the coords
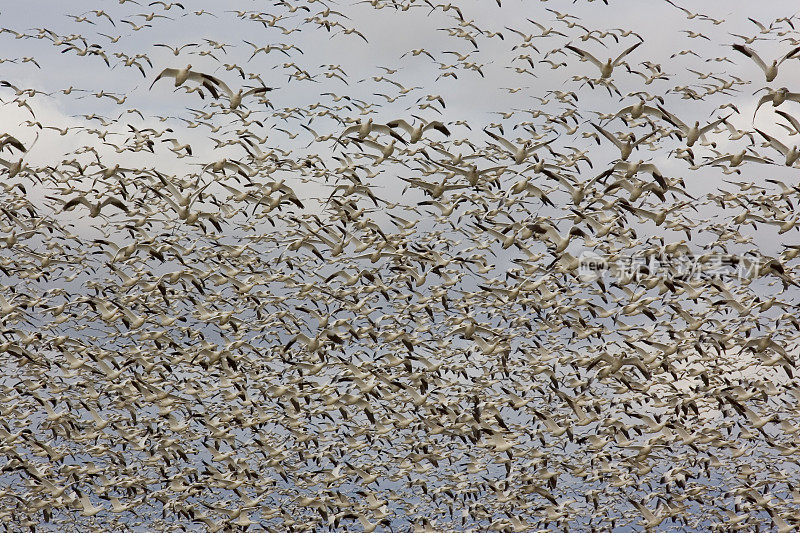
(519, 153)
(87, 509)
(94, 208)
(364, 128)
(734, 160)
(771, 70)
(691, 133)
(416, 131)
(608, 67)
(791, 154)
(777, 97)
(792, 121)
(182, 75)
(235, 98)
(650, 520)
(625, 148)
(639, 109)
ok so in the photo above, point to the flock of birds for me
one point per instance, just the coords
(241, 290)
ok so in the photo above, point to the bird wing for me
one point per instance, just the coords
(211, 83)
(775, 143)
(650, 167)
(231, 189)
(749, 52)
(257, 90)
(438, 126)
(539, 193)
(622, 182)
(538, 25)
(641, 140)
(624, 110)
(643, 213)
(608, 136)
(509, 145)
(712, 125)
(793, 121)
(756, 159)
(499, 169)
(791, 54)
(626, 52)
(75, 201)
(757, 23)
(401, 124)
(764, 99)
(387, 128)
(721, 159)
(647, 110)
(540, 145)
(584, 54)
(11, 140)
(371, 144)
(347, 131)
(647, 514)
(170, 187)
(115, 202)
(517, 32)
(167, 72)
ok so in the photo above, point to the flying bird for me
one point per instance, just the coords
(607, 67)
